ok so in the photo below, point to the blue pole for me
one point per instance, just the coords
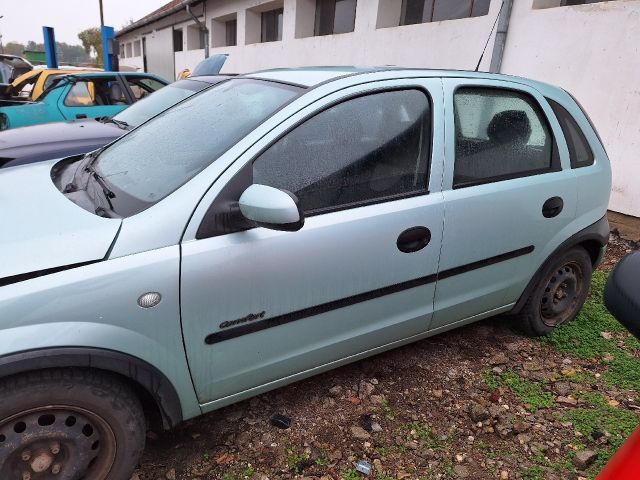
(50, 47)
(107, 53)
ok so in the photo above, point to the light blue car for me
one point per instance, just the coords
(83, 95)
(275, 226)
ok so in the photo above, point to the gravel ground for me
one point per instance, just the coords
(479, 402)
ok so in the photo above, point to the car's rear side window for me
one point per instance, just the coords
(580, 152)
(500, 134)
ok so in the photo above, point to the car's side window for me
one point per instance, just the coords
(99, 91)
(580, 152)
(364, 150)
(500, 134)
(142, 87)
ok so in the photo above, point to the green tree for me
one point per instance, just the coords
(92, 41)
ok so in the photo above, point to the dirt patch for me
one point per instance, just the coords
(479, 402)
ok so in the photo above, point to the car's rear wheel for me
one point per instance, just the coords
(559, 294)
(69, 425)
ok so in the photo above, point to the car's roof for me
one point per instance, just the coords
(45, 71)
(125, 74)
(312, 76)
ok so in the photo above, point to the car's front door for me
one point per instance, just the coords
(261, 306)
(509, 193)
(93, 97)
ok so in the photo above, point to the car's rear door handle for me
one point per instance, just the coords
(552, 207)
(413, 239)
(81, 115)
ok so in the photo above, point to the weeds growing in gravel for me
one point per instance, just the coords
(351, 474)
(583, 338)
(598, 418)
(531, 393)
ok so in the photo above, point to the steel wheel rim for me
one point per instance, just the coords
(561, 294)
(57, 442)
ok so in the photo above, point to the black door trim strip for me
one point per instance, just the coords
(224, 335)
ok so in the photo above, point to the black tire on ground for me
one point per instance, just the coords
(69, 424)
(559, 295)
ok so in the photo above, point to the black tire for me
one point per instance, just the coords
(559, 294)
(83, 423)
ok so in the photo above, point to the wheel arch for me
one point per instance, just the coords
(154, 389)
(592, 239)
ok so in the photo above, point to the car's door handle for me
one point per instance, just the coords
(80, 115)
(552, 207)
(413, 239)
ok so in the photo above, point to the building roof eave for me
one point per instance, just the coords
(157, 15)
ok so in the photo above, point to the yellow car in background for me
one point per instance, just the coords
(30, 85)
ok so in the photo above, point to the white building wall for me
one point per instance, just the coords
(593, 51)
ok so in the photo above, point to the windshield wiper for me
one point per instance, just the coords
(120, 123)
(106, 191)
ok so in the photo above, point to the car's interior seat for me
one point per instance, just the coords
(116, 94)
(505, 152)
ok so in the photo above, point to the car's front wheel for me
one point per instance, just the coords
(559, 294)
(69, 424)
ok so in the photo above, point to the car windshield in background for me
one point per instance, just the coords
(143, 110)
(152, 161)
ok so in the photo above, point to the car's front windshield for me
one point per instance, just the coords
(148, 107)
(160, 156)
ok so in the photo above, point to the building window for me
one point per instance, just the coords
(566, 3)
(272, 25)
(231, 33)
(123, 53)
(129, 51)
(335, 16)
(563, 3)
(177, 40)
(195, 37)
(423, 11)
(137, 51)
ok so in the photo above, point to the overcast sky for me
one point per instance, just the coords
(23, 19)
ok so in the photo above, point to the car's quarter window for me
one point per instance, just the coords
(580, 152)
(152, 161)
(362, 150)
(500, 134)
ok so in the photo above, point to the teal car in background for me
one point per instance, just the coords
(86, 95)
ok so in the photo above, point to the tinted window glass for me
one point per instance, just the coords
(144, 166)
(272, 25)
(451, 9)
(419, 11)
(499, 134)
(231, 29)
(580, 152)
(335, 16)
(177, 40)
(365, 149)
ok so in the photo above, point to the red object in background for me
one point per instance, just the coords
(625, 464)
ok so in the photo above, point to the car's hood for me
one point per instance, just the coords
(55, 140)
(41, 229)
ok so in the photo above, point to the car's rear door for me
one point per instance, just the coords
(509, 196)
(262, 307)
